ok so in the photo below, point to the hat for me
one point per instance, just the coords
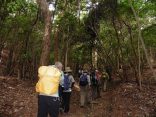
(85, 71)
(67, 69)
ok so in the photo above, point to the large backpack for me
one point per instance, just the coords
(83, 80)
(49, 78)
(66, 82)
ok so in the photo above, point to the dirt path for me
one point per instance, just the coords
(18, 99)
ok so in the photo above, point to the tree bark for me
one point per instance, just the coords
(78, 9)
(56, 48)
(45, 54)
(66, 55)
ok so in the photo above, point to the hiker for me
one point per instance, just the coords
(104, 79)
(108, 69)
(61, 91)
(95, 83)
(120, 72)
(67, 89)
(84, 84)
(125, 71)
(80, 71)
(47, 87)
(98, 78)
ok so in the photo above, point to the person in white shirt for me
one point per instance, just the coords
(67, 89)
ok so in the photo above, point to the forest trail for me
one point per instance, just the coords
(117, 35)
(18, 99)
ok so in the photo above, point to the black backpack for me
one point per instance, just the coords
(83, 80)
(94, 81)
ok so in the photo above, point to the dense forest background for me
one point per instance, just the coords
(99, 33)
(120, 33)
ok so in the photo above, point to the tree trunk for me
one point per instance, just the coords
(56, 48)
(151, 55)
(45, 54)
(78, 10)
(9, 63)
(119, 50)
(94, 57)
(141, 39)
(66, 55)
(139, 65)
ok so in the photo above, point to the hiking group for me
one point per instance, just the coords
(92, 81)
(55, 87)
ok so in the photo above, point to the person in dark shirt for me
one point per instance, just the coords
(108, 69)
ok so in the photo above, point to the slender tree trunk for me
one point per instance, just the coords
(56, 48)
(67, 48)
(94, 57)
(141, 39)
(135, 60)
(151, 55)
(131, 38)
(9, 63)
(138, 58)
(119, 50)
(45, 54)
(78, 9)
(66, 55)
(139, 80)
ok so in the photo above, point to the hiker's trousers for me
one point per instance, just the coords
(84, 99)
(104, 84)
(48, 105)
(66, 101)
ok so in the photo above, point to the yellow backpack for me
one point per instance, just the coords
(49, 78)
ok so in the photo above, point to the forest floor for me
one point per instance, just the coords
(18, 99)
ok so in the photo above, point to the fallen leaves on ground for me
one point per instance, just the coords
(18, 99)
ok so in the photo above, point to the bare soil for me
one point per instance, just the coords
(18, 99)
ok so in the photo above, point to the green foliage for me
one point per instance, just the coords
(149, 35)
(23, 29)
(81, 53)
(18, 28)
